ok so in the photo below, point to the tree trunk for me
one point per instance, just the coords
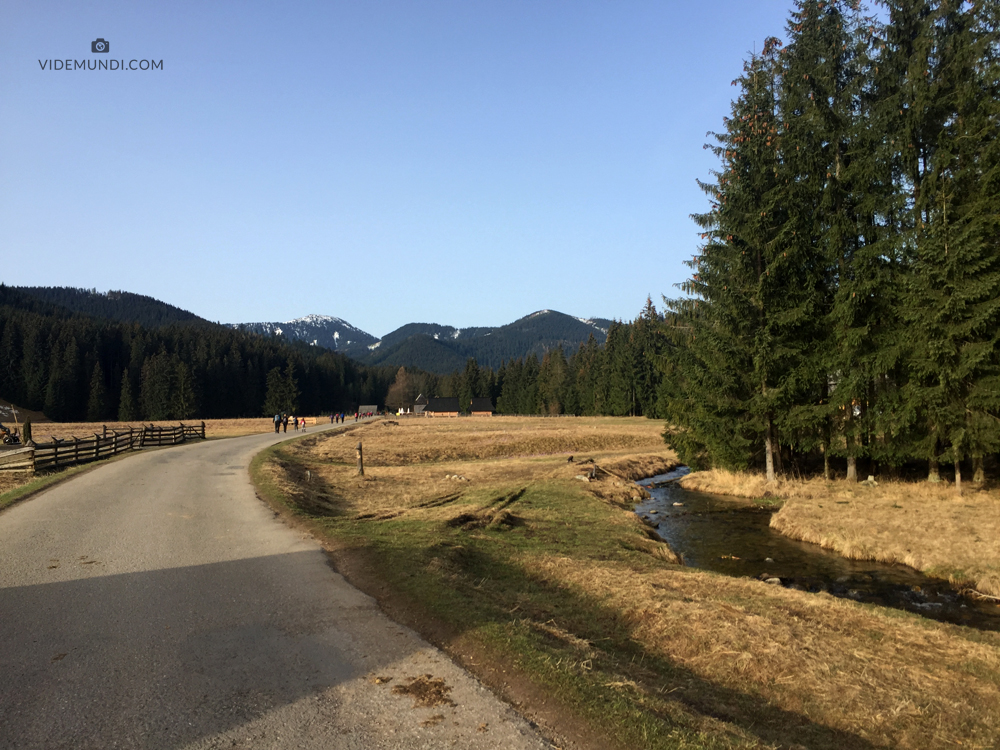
(958, 476)
(769, 451)
(826, 462)
(852, 460)
(933, 472)
(978, 475)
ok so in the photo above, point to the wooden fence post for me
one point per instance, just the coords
(97, 445)
(76, 449)
(361, 461)
(203, 430)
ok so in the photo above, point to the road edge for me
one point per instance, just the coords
(559, 725)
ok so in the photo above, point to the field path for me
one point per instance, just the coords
(155, 602)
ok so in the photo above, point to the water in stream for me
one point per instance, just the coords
(718, 533)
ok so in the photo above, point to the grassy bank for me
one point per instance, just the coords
(480, 534)
(926, 526)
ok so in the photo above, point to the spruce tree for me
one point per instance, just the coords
(751, 293)
(97, 403)
(183, 399)
(275, 400)
(127, 411)
(840, 188)
(954, 291)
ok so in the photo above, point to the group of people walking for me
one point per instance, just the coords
(281, 422)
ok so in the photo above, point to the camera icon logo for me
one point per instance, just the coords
(100, 45)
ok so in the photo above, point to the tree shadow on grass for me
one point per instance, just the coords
(542, 601)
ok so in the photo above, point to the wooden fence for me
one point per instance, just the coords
(60, 453)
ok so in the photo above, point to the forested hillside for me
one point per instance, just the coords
(622, 377)
(319, 330)
(123, 307)
(845, 302)
(75, 367)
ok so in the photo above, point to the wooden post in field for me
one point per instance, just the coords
(97, 445)
(361, 461)
(203, 430)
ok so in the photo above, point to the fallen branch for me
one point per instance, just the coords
(973, 594)
(611, 473)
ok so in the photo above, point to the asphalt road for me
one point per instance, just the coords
(155, 602)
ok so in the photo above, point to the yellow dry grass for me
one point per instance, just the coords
(413, 464)
(409, 441)
(214, 428)
(883, 678)
(896, 682)
(926, 526)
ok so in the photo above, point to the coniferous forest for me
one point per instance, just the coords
(845, 300)
(74, 367)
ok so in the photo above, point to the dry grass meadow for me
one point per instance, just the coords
(926, 526)
(484, 531)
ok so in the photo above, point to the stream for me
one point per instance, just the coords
(719, 533)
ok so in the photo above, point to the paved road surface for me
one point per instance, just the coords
(155, 602)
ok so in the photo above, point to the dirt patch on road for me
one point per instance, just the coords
(427, 691)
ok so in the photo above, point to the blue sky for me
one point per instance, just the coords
(463, 163)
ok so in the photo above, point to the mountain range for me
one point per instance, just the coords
(429, 346)
(440, 348)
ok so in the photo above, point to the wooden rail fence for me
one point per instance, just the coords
(64, 452)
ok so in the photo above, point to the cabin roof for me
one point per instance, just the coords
(442, 404)
(481, 404)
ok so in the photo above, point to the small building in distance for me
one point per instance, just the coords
(419, 405)
(368, 409)
(441, 407)
(481, 407)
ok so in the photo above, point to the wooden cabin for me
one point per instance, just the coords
(419, 405)
(481, 407)
(441, 407)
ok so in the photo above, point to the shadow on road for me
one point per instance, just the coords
(167, 657)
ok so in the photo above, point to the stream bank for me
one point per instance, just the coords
(729, 536)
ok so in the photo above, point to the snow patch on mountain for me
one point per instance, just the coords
(594, 325)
